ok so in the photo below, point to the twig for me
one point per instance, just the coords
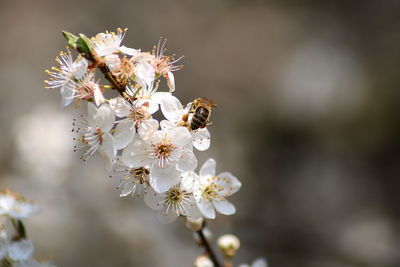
(207, 247)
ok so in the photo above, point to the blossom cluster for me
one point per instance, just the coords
(153, 158)
(15, 248)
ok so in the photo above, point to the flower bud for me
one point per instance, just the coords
(203, 261)
(228, 244)
(195, 225)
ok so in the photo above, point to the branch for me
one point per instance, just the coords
(207, 247)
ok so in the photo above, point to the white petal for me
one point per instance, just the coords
(201, 139)
(165, 124)
(80, 66)
(3, 247)
(98, 96)
(128, 188)
(145, 74)
(179, 136)
(162, 179)
(224, 207)
(206, 208)
(171, 108)
(107, 149)
(112, 61)
(153, 106)
(192, 211)
(260, 262)
(105, 118)
(91, 113)
(166, 217)
(67, 96)
(188, 161)
(129, 51)
(171, 81)
(208, 169)
(136, 155)
(123, 134)
(188, 180)
(147, 128)
(229, 182)
(154, 200)
(120, 107)
(20, 250)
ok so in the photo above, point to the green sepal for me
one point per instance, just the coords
(72, 39)
(83, 45)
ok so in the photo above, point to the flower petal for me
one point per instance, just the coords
(171, 81)
(20, 250)
(179, 136)
(67, 96)
(129, 51)
(120, 107)
(188, 161)
(123, 135)
(171, 108)
(107, 149)
(206, 207)
(201, 139)
(229, 182)
(208, 169)
(136, 154)
(260, 262)
(166, 217)
(224, 206)
(105, 118)
(162, 179)
(154, 200)
(147, 128)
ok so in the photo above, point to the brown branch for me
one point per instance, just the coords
(207, 247)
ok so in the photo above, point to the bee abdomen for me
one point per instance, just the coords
(200, 118)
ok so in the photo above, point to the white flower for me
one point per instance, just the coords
(112, 61)
(164, 65)
(66, 75)
(147, 94)
(94, 130)
(85, 88)
(203, 261)
(167, 153)
(260, 262)
(20, 250)
(134, 181)
(16, 206)
(4, 244)
(177, 201)
(144, 70)
(174, 112)
(136, 117)
(212, 190)
(109, 42)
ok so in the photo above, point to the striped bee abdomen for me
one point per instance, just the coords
(200, 118)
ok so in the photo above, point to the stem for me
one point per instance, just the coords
(208, 248)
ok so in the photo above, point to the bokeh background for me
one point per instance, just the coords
(308, 96)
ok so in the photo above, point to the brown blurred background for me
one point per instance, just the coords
(308, 97)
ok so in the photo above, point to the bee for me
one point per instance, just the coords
(199, 113)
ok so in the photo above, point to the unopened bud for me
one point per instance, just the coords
(228, 244)
(203, 261)
(195, 225)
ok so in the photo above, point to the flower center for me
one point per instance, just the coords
(210, 192)
(139, 174)
(163, 152)
(175, 195)
(86, 90)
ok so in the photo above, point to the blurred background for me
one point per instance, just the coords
(308, 111)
